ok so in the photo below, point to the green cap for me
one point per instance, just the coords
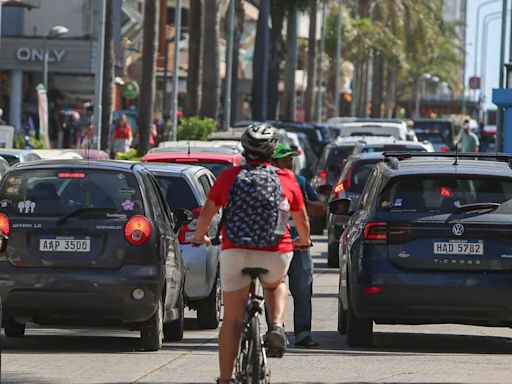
(284, 151)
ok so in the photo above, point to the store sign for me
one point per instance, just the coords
(32, 54)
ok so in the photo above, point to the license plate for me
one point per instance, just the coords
(459, 247)
(65, 244)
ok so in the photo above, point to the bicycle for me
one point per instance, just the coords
(251, 363)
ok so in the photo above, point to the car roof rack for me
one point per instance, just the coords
(404, 155)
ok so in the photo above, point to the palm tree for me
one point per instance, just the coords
(194, 59)
(210, 85)
(108, 77)
(147, 87)
(311, 67)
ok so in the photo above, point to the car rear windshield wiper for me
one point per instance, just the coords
(476, 207)
(81, 211)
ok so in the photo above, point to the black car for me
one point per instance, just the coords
(349, 185)
(90, 243)
(429, 243)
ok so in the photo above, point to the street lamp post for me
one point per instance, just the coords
(176, 68)
(419, 82)
(55, 31)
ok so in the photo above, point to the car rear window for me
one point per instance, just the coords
(63, 191)
(338, 154)
(393, 147)
(177, 192)
(434, 138)
(215, 168)
(359, 174)
(443, 193)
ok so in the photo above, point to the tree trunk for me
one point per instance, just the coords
(194, 59)
(257, 75)
(390, 98)
(147, 87)
(210, 86)
(311, 70)
(239, 30)
(108, 77)
(378, 85)
(287, 108)
(276, 57)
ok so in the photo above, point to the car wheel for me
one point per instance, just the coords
(208, 310)
(151, 331)
(359, 330)
(317, 225)
(14, 329)
(173, 331)
(333, 256)
(342, 318)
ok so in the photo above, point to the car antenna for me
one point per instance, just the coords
(188, 147)
(456, 154)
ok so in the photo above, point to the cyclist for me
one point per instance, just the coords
(259, 142)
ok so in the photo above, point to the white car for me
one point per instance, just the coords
(398, 130)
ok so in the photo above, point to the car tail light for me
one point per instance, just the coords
(444, 149)
(187, 230)
(372, 290)
(71, 175)
(376, 231)
(137, 230)
(5, 225)
(338, 188)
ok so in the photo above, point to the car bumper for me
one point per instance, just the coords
(432, 298)
(58, 296)
(201, 264)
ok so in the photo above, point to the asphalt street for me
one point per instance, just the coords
(402, 354)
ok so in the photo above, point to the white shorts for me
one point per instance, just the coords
(232, 261)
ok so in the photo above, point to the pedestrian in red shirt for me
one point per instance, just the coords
(122, 136)
(259, 142)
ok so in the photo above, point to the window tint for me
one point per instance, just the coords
(359, 174)
(215, 168)
(59, 192)
(177, 192)
(338, 154)
(205, 183)
(391, 147)
(443, 193)
(11, 159)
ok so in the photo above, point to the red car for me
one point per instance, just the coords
(214, 161)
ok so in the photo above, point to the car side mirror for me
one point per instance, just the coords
(324, 189)
(181, 216)
(340, 207)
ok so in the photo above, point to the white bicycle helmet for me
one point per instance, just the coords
(259, 141)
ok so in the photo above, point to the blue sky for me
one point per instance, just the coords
(493, 45)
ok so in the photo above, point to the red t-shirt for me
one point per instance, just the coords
(219, 194)
(122, 132)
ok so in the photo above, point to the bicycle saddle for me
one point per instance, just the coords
(254, 272)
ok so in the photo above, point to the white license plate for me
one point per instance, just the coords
(459, 247)
(65, 244)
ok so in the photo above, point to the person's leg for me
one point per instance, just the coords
(300, 277)
(230, 330)
(276, 297)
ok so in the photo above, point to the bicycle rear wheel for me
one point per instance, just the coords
(251, 364)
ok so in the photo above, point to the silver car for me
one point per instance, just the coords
(186, 186)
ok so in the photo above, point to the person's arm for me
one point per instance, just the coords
(203, 222)
(302, 225)
(314, 206)
(130, 135)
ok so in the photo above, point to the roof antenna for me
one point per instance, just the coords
(188, 147)
(456, 154)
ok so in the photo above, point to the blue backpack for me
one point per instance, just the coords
(252, 213)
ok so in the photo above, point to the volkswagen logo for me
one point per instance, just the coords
(458, 229)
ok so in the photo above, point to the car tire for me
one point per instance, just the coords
(209, 309)
(173, 331)
(342, 318)
(317, 225)
(333, 256)
(151, 331)
(359, 330)
(13, 329)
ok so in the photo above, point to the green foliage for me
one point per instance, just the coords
(195, 128)
(19, 142)
(130, 155)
